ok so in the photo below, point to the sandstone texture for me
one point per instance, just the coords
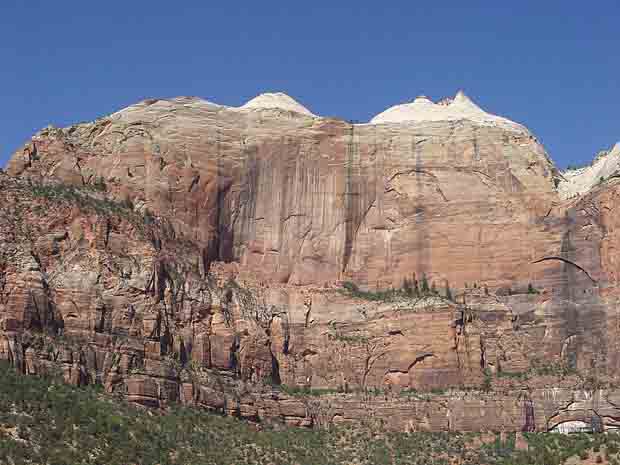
(305, 200)
(236, 259)
(458, 108)
(578, 181)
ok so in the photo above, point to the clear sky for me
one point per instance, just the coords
(553, 66)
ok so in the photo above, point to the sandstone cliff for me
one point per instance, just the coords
(306, 200)
(179, 250)
(578, 181)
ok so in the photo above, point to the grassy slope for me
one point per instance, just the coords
(43, 422)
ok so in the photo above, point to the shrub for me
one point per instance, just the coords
(407, 289)
(487, 382)
(425, 288)
(388, 295)
(100, 184)
(61, 425)
(448, 292)
(351, 287)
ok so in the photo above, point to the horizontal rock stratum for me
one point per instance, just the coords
(224, 257)
(311, 200)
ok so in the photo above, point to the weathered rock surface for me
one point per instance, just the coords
(578, 181)
(305, 200)
(200, 253)
(422, 109)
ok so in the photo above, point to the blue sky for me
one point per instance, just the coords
(553, 66)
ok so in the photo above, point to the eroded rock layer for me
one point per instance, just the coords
(305, 200)
(183, 251)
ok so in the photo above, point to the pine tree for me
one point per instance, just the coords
(416, 286)
(407, 287)
(425, 288)
(448, 291)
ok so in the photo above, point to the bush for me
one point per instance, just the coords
(380, 296)
(531, 289)
(448, 292)
(100, 184)
(425, 288)
(487, 382)
(63, 425)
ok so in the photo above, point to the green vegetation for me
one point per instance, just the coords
(448, 291)
(99, 184)
(349, 338)
(425, 289)
(541, 368)
(555, 449)
(381, 296)
(522, 375)
(47, 423)
(411, 288)
(546, 368)
(531, 289)
(90, 198)
(305, 391)
(81, 197)
(487, 382)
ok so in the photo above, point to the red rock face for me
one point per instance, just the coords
(201, 256)
(314, 201)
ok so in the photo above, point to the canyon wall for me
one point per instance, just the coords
(181, 251)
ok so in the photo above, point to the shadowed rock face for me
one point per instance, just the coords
(200, 256)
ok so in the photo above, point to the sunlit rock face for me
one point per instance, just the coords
(307, 200)
(276, 100)
(220, 270)
(579, 181)
(461, 107)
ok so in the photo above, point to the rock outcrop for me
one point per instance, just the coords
(306, 200)
(422, 109)
(276, 100)
(579, 181)
(180, 250)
